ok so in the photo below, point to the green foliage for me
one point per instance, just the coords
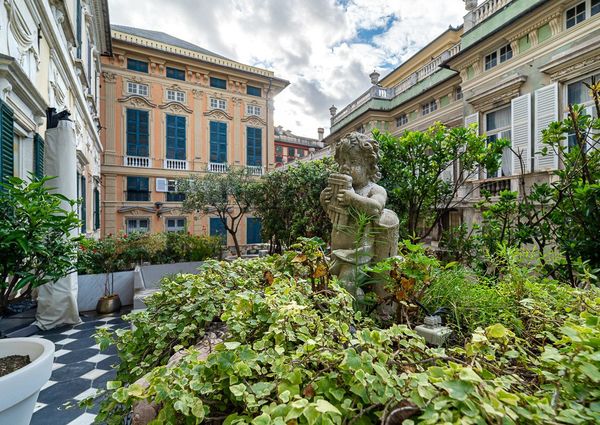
(229, 196)
(288, 203)
(36, 242)
(121, 252)
(413, 169)
(295, 353)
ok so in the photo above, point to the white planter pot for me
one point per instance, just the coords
(20, 389)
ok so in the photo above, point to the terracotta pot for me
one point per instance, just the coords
(108, 304)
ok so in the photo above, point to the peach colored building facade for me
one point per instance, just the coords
(169, 109)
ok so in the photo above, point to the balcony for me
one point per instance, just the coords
(176, 164)
(388, 93)
(255, 170)
(494, 187)
(136, 161)
(482, 12)
(217, 167)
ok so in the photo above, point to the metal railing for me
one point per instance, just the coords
(217, 167)
(136, 161)
(176, 164)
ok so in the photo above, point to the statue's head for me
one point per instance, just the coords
(357, 155)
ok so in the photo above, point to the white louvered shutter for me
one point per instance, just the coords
(162, 185)
(521, 133)
(448, 173)
(472, 119)
(546, 111)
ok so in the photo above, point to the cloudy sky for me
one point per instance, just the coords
(325, 48)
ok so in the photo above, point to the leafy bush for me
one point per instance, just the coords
(299, 353)
(36, 245)
(122, 252)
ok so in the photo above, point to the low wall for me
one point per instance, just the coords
(91, 288)
(151, 275)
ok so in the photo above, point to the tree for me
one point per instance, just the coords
(423, 172)
(288, 203)
(36, 246)
(229, 196)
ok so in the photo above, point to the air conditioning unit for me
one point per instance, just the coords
(162, 185)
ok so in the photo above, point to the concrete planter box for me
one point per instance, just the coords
(91, 288)
(20, 388)
(151, 275)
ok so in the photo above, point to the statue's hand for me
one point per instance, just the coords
(326, 195)
(345, 197)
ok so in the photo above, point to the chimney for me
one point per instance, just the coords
(320, 131)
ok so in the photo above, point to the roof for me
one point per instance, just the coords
(165, 38)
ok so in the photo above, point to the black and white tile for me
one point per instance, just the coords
(80, 369)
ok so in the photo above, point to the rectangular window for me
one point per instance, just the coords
(7, 140)
(175, 137)
(253, 91)
(177, 74)
(138, 189)
(137, 133)
(505, 53)
(253, 110)
(497, 126)
(579, 94)
(141, 225)
(595, 7)
(491, 60)
(218, 142)
(175, 96)
(137, 65)
(291, 152)
(253, 230)
(96, 209)
(173, 195)
(300, 153)
(458, 94)
(402, 120)
(218, 83)
(218, 103)
(175, 224)
(217, 228)
(575, 15)
(279, 154)
(428, 107)
(135, 88)
(253, 146)
(78, 25)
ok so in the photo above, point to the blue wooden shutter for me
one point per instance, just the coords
(137, 133)
(38, 155)
(175, 137)
(7, 136)
(218, 142)
(253, 146)
(217, 228)
(253, 230)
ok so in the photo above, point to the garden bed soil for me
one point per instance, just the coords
(9, 364)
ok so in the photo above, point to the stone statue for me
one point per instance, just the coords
(363, 230)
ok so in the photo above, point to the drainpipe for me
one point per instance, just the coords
(268, 130)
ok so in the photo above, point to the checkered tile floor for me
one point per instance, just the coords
(79, 370)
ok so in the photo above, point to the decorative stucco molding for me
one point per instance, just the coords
(495, 93)
(254, 120)
(176, 107)
(109, 77)
(574, 62)
(218, 113)
(136, 100)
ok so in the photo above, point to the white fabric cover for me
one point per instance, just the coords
(57, 302)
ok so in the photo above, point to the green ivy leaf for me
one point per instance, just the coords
(458, 390)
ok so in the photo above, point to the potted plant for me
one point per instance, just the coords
(108, 255)
(36, 247)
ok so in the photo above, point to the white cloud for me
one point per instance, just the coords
(325, 48)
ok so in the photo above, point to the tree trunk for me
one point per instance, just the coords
(238, 251)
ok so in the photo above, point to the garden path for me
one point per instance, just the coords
(79, 370)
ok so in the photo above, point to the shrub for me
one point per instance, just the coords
(299, 353)
(36, 245)
(123, 252)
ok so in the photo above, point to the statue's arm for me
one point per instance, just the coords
(372, 205)
(325, 197)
